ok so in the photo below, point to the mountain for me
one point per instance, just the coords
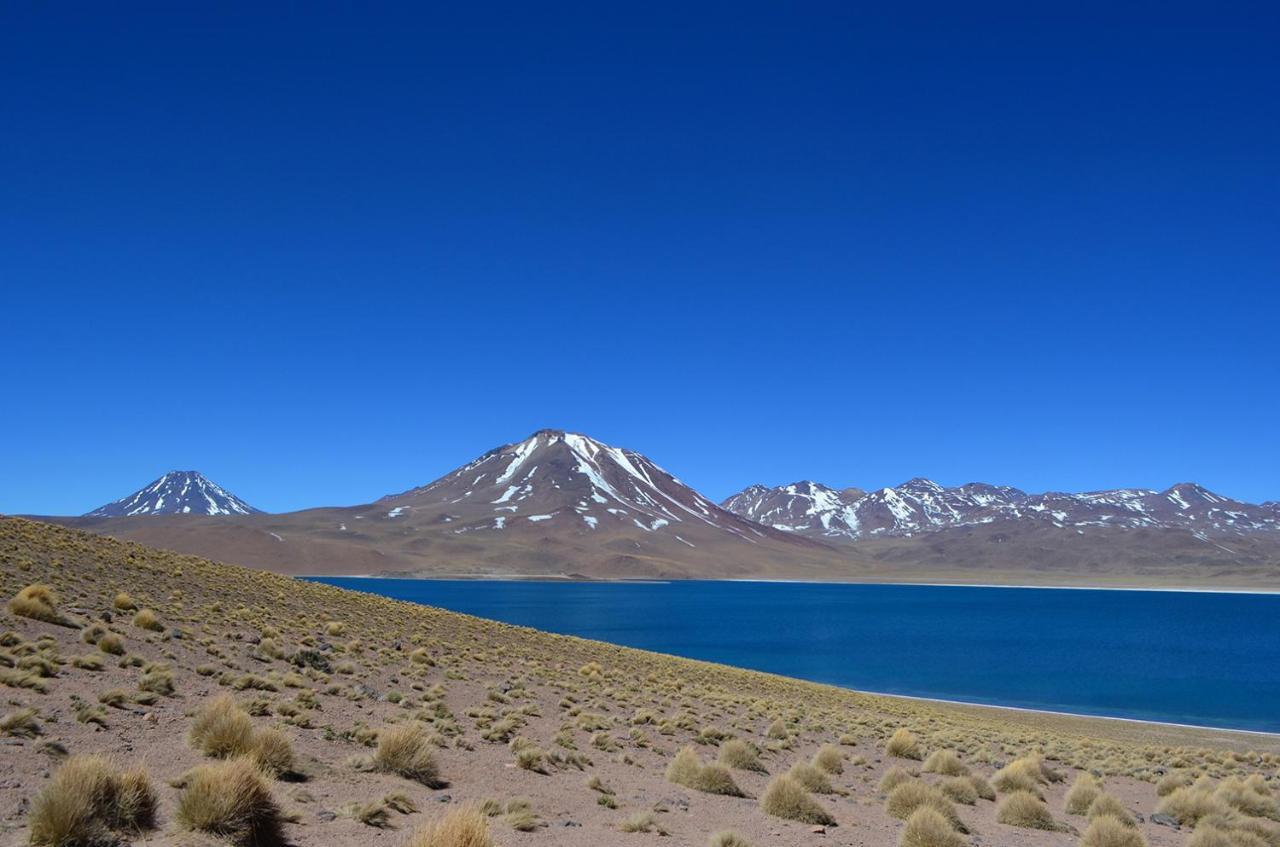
(553, 504)
(563, 481)
(920, 506)
(176, 493)
(561, 504)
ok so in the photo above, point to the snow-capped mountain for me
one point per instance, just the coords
(920, 506)
(176, 493)
(555, 481)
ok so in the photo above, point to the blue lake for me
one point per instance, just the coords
(1194, 658)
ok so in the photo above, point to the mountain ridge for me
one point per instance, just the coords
(919, 506)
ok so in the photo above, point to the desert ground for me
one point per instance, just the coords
(159, 698)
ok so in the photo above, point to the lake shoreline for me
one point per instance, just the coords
(576, 578)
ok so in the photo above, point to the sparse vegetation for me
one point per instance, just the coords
(86, 802)
(687, 770)
(243, 658)
(739, 755)
(407, 750)
(1024, 809)
(1106, 831)
(927, 827)
(37, 602)
(784, 797)
(903, 744)
(148, 620)
(231, 799)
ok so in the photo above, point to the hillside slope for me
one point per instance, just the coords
(334, 678)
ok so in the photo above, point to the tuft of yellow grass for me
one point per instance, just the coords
(829, 758)
(926, 827)
(904, 800)
(740, 755)
(945, 763)
(1188, 805)
(37, 602)
(406, 750)
(230, 799)
(687, 770)
(1106, 831)
(727, 838)
(124, 603)
(1082, 794)
(1026, 810)
(784, 797)
(813, 779)
(20, 724)
(148, 620)
(1106, 806)
(86, 801)
(221, 728)
(903, 744)
(894, 777)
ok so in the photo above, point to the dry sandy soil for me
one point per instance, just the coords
(331, 669)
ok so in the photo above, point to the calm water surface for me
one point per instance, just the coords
(1208, 659)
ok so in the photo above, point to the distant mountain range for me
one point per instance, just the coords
(563, 504)
(921, 506)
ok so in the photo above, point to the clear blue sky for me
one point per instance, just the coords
(331, 252)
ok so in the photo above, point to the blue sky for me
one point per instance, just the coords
(330, 252)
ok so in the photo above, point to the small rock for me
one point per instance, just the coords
(444, 798)
(570, 823)
(818, 830)
(326, 815)
(1165, 820)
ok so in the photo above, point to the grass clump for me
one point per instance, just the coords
(1026, 810)
(124, 603)
(1172, 781)
(894, 777)
(642, 822)
(903, 744)
(740, 755)
(221, 729)
(927, 827)
(37, 602)
(20, 724)
(87, 801)
(829, 759)
(945, 763)
(904, 800)
(784, 797)
(959, 789)
(148, 620)
(1188, 805)
(230, 799)
(687, 770)
(111, 644)
(406, 750)
(1024, 774)
(1106, 831)
(812, 778)
(1106, 806)
(1082, 794)
(727, 838)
